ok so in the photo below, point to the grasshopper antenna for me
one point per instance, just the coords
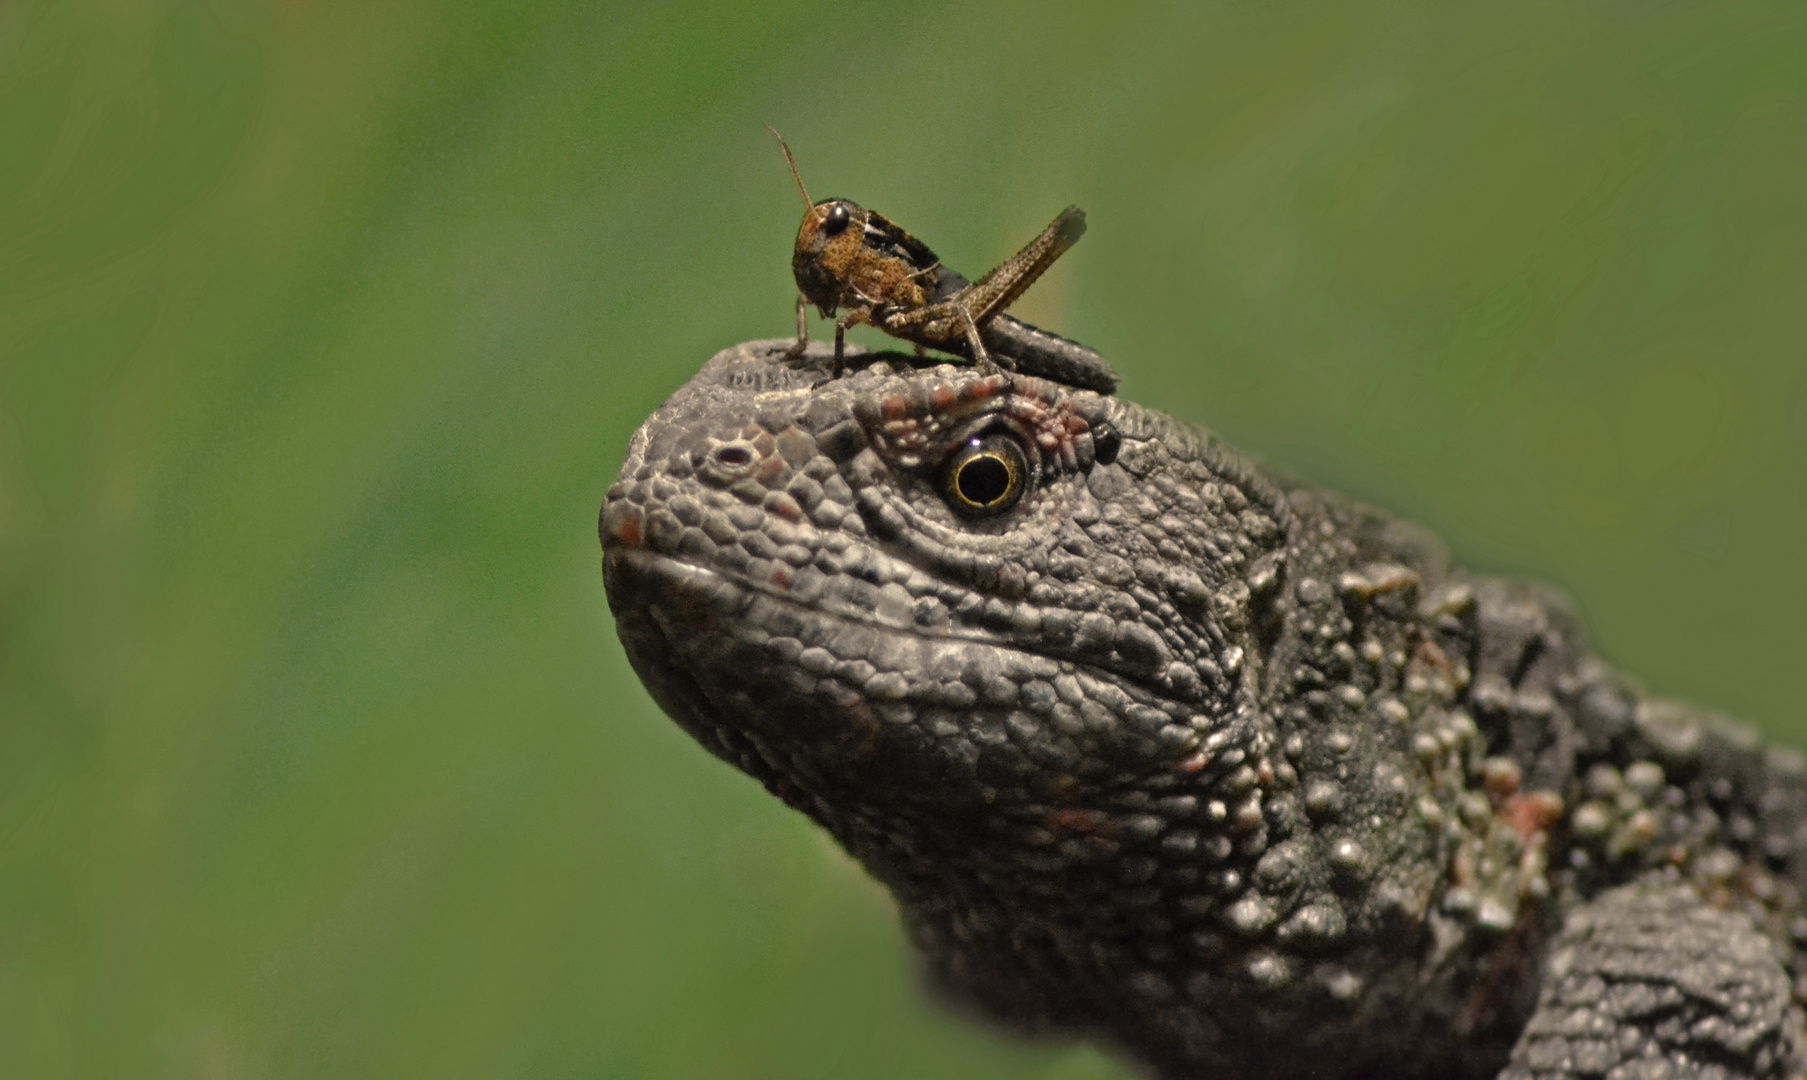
(792, 162)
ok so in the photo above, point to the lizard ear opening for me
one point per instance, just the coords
(986, 476)
(1105, 443)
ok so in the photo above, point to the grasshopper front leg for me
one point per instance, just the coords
(796, 350)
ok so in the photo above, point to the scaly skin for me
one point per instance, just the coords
(1236, 774)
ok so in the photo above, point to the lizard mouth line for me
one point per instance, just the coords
(673, 572)
(696, 594)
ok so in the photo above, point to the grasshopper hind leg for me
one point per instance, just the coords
(981, 356)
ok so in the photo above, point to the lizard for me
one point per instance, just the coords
(1156, 746)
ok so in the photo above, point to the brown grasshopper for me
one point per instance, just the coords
(850, 257)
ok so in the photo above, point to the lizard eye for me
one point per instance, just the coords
(837, 221)
(986, 476)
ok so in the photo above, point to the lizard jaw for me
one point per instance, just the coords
(829, 695)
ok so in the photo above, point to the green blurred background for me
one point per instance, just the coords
(323, 327)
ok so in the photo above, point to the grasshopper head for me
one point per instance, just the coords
(828, 244)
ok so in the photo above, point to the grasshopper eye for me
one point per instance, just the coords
(837, 221)
(986, 476)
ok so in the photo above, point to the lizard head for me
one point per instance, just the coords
(1078, 684)
(944, 609)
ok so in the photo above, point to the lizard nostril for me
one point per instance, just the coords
(734, 455)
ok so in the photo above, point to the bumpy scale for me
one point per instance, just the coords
(1236, 774)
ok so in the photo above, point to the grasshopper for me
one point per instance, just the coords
(853, 258)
